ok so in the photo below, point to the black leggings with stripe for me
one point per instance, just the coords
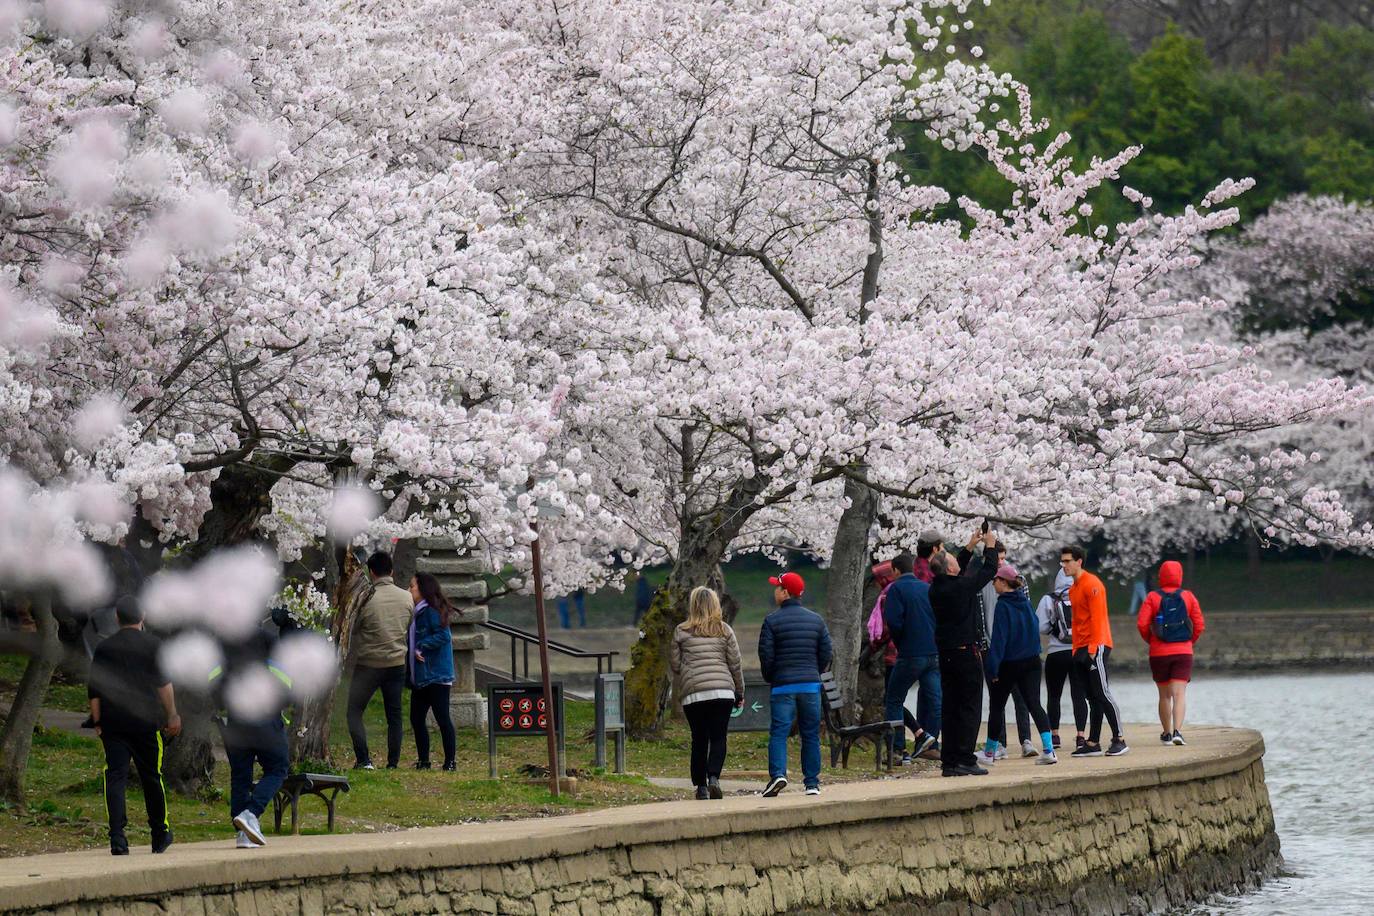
(1092, 672)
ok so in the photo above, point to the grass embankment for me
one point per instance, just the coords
(1222, 583)
(67, 809)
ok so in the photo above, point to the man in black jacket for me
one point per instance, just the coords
(954, 598)
(794, 648)
(130, 700)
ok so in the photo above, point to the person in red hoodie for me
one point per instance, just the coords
(1171, 621)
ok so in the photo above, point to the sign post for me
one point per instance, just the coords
(554, 769)
(757, 713)
(520, 711)
(610, 716)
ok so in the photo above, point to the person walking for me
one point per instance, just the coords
(1092, 647)
(253, 735)
(1013, 660)
(954, 601)
(132, 703)
(997, 727)
(794, 648)
(1171, 622)
(379, 644)
(1056, 621)
(911, 625)
(429, 654)
(705, 663)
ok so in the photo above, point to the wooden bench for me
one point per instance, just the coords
(298, 784)
(843, 737)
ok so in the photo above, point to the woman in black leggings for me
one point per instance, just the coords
(1013, 659)
(430, 667)
(708, 682)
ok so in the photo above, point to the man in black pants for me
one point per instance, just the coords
(954, 598)
(379, 661)
(129, 696)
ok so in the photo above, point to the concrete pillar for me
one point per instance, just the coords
(460, 578)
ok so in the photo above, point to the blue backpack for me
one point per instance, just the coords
(1172, 623)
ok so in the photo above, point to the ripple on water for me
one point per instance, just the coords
(1323, 795)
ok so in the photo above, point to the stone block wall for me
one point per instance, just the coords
(1124, 840)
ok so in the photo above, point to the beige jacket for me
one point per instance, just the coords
(383, 626)
(704, 663)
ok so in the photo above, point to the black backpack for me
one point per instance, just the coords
(1061, 618)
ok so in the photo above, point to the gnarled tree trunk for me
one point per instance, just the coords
(16, 738)
(239, 498)
(849, 561)
(310, 736)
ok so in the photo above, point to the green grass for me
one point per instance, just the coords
(66, 801)
(1222, 582)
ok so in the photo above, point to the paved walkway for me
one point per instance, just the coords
(54, 879)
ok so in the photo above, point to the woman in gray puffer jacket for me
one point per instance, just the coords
(704, 658)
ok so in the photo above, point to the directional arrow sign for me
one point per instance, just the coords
(756, 714)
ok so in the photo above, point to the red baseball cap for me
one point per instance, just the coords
(789, 582)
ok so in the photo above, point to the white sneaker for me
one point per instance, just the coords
(987, 758)
(813, 790)
(1046, 759)
(1028, 749)
(242, 842)
(247, 821)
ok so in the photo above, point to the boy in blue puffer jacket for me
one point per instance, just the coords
(1013, 658)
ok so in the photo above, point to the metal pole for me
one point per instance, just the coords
(537, 562)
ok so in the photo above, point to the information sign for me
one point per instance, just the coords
(757, 714)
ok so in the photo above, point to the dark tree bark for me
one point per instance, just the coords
(239, 498)
(310, 734)
(16, 738)
(849, 564)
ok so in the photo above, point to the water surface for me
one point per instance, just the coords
(1320, 771)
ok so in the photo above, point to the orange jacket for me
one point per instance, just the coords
(1170, 579)
(1091, 629)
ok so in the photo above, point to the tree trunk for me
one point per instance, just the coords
(16, 738)
(310, 736)
(647, 682)
(239, 498)
(849, 562)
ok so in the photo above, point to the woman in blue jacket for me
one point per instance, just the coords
(430, 664)
(1013, 658)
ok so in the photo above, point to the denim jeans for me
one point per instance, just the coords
(805, 708)
(924, 669)
(267, 747)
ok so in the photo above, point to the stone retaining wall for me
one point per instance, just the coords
(1084, 839)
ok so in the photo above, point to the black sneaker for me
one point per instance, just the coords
(1166, 738)
(923, 743)
(1078, 742)
(1056, 742)
(161, 843)
(906, 759)
(450, 765)
(1087, 750)
(119, 846)
(713, 787)
(1117, 748)
(422, 764)
(1178, 738)
(964, 770)
(775, 785)
(702, 794)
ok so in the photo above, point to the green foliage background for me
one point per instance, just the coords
(1303, 123)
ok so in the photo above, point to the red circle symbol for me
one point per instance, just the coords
(543, 707)
(526, 722)
(525, 704)
(508, 722)
(507, 705)
(543, 721)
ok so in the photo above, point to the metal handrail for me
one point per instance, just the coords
(526, 638)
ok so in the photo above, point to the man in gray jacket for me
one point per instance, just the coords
(379, 653)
